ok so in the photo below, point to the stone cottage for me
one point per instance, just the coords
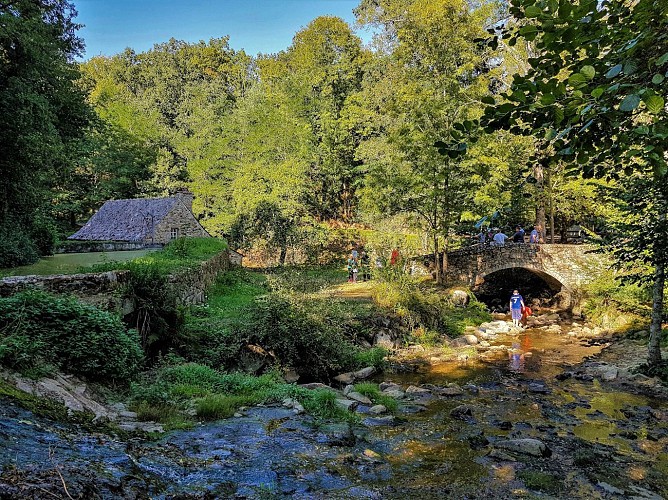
(143, 221)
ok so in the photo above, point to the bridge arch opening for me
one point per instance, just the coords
(539, 289)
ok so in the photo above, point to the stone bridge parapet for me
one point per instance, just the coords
(563, 267)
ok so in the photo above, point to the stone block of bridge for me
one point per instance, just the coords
(563, 267)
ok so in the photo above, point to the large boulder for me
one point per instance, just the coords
(459, 298)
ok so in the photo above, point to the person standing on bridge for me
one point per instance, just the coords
(500, 238)
(535, 234)
(516, 307)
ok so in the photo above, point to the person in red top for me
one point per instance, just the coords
(394, 258)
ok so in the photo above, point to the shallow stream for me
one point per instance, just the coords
(603, 442)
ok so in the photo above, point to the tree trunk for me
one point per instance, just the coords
(437, 261)
(281, 258)
(654, 348)
(540, 207)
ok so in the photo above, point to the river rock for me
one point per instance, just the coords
(394, 393)
(347, 404)
(385, 340)
(364, 372)
(643, 494)
(298, 408)
(379, 421)
(290, 376)
(345, 378)
(607, 372)
(451, 390)
(141, 426)
(348, 389)
(377, 409)
(528, 446)
(610, 489)
(462, 412)
(459, 342)
(315, 385)
(471, 339)
(471, 388)
(65, 389)
(412, 389)
(482, 335)
(388, 385)
(459, 298)
(538, 388)
(359, 397)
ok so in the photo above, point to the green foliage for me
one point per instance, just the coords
(209, 334)
(322, 404)
(615, 305)
(425, 309)
(601, 109)
(299, 338)
(217, 406)
(372, 391)
(38, 330)
(16, 246)
(157, 315)
(43, 116)
(541, 481)
(167, 394)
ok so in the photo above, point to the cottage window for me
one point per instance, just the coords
(174, 233)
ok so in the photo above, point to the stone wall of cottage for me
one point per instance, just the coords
(181, 218)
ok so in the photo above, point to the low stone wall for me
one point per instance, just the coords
(191, 284)
(98, 289)
(104, 289)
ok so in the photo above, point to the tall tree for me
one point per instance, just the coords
(434, 75)
(325, 66)
(43, 113)
(596, 94)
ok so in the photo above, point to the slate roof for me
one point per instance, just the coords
(126, 220)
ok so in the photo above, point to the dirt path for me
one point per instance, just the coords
(360, 291)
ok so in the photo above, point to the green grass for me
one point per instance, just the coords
(541, 481)
(179, 254)
(69, 263)
(298, 279)
(371, 391)
(234, 291)
(171, 391)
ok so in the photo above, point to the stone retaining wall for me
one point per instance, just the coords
(104, 289)
(98, 289)
(191, 284)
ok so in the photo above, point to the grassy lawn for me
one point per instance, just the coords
(69, 263)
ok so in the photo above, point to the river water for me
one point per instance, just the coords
(601, 440)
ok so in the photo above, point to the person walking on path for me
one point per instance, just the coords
(365, 264)
(516, 307)
(500, 238)
(352, 269)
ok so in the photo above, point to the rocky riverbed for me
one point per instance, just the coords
(536, 413)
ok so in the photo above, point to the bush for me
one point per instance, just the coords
(16, 247)
(426, 309)
(308, 342)
(38, 329)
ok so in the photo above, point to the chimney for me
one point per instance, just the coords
(186, 197)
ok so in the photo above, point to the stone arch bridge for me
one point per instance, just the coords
(563, 267)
